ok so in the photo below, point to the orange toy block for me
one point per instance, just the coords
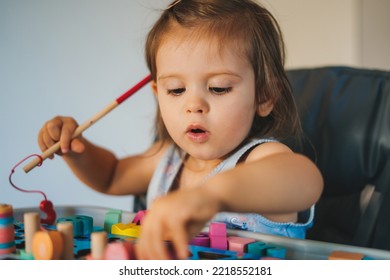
(340, 255)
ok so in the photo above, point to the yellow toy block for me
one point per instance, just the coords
(131, 229)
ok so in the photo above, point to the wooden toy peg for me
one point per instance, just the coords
(98, 244)
(66, 229)
(31, 226)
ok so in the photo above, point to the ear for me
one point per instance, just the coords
(154, 87)
(265, 108)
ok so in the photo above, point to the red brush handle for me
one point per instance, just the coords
(133, 90)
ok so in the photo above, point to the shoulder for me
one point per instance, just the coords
(267, 149)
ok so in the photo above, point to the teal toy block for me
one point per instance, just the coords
(112, 217)
(276, 251)
(205, 253)
(258, 248)
(267, 250)
(82, 225)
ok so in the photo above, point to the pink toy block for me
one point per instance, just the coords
(139, 216)
(239, 244)
(217, 229)
(119, 251)
(218, 242)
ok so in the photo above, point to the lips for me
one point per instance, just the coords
(197, 133)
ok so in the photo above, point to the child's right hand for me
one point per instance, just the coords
(60, 129)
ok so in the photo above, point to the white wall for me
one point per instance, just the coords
(347, 32)
(74, 57)
(318, 32)
(376, 34)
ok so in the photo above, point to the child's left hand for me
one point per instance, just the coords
(176, 217)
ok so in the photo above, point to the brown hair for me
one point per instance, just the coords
(251, 29)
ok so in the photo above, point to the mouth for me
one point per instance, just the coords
(197, 133)
(197, 129)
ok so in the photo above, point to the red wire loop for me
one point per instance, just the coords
(45, 206)
(13, 171)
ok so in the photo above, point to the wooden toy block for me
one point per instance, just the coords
(202, 239)
(203, 253)
(112, 217)
(239, 244)
(218, 236)
(25, 256)
(131, 229)
(217, 229)
(274, 251)
(9, 250)
(47, 245)
(219, 242)
(341, 255)
(87, 223)
(7, 238)
(6, 234)
(258, 247)
(6, 210)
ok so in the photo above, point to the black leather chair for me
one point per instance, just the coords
(345, 113)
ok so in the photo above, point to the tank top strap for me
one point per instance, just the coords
(233, 159)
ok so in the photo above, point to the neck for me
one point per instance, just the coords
(200, 166)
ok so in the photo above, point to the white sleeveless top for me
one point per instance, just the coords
(169, 167)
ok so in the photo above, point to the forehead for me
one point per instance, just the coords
(215, 43)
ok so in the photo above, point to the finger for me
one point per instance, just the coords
(157, 249)
(53, 129)
(67, 131)
(180, 241)
(46, 141)
(151, 244)
(41, 140)
(50, 134)
(143, 245)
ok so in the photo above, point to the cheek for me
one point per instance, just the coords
(237, 119)
(168, 114)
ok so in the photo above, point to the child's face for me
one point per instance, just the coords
(206, 97)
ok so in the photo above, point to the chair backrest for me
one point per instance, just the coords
(345, 114)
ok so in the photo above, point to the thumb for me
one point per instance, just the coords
(77, 146)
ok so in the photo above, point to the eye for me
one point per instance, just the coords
(220, 90)
(176, 91)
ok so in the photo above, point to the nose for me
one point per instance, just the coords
(196, 104)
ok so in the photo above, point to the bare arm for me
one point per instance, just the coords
(279, 181)
(97, 167)
(102, 171)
